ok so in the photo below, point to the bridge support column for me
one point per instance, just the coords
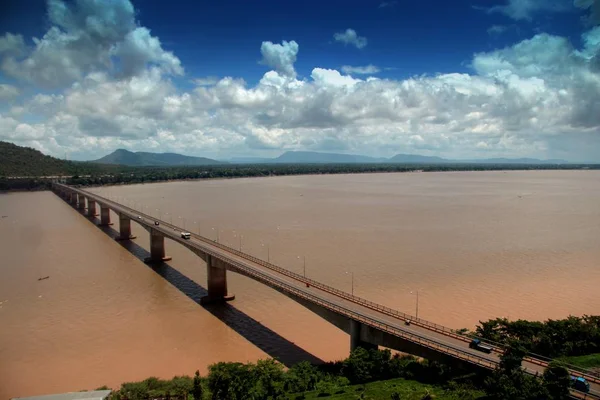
(80, 201)
(217, 283)
(91, 208)
(355, 340)
(104, 216)
(73, 198)
(157, 248)
(124, 228)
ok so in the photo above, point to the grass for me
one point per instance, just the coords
(408, 390)
(587, 361)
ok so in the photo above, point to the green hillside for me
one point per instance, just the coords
(27, 162)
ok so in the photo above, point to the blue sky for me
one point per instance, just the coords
(231, 78)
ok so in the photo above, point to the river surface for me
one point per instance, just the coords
(475, 245)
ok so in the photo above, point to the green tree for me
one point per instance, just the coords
(232, 381)
(557, 381)
(358, 366)
(510, 382)
(302, 377)
(268, 377)
(197, 390)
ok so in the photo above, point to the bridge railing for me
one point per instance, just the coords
(498, 348)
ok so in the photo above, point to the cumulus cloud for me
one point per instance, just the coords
(83, 38)
(594, 8)
(280, 57)
(349, 36)
(538, 97)
(525, 9)
(207, 81)
(8, 92)
(364, 70)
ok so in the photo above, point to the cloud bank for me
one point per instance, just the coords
(112, 88)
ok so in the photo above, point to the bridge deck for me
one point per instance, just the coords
(370, 314)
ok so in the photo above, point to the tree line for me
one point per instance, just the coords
(88, 174)
(268, 379)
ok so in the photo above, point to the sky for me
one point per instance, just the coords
(457, 79)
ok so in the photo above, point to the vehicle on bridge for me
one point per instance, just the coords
(156, 223)
(186, 235)
(479, 345)
(580, 384)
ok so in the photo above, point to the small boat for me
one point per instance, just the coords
(45, 277)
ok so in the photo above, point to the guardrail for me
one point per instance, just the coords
(576, 371)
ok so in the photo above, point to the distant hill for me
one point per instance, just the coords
(313, 157)
(249, 160)
(24, 161)
(517, 161)
(415, 158)
(293, 157)
(138, 159)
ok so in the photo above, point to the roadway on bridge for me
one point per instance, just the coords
(290, 284)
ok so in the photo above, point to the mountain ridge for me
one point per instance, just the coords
(143, 159)
(313, 157)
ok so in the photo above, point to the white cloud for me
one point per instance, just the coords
(497, 29)
(593, 6)
(206, 81)
(364, 70)
(82, 39)
(280, 57)
(331, 77)
(8, 92)
(349, 36)
(525, 9)
(538, 97)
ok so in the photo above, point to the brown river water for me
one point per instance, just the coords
(476, 245)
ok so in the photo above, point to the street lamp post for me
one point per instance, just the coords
(417, 306)
(352, 281)
(303, 264)
(268, 255)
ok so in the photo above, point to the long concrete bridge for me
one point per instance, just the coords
(368, 324)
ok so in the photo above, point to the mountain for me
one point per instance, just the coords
(126, 157)
(313, 157)
(24, 161)
(249, 160)
(415, 158)
(517, 161)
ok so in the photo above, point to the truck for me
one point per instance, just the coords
(479, 345)
(185, 235)
(579, 383)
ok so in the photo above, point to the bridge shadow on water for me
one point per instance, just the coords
(266, 339)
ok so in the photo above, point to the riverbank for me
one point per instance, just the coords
(141, 175)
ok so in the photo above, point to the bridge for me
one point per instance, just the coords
(368, 324)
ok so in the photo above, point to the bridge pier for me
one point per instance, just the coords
(157, 248)
(124, 228)
(91, 208)
(355, 340)
(80, 201)
(73, 198)
(104, 215)
(217, 283)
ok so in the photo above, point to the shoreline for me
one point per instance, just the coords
(393, 169)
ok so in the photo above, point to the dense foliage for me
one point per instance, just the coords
(17, 161)
(572, 336)
(510, 382)
(267, 379)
